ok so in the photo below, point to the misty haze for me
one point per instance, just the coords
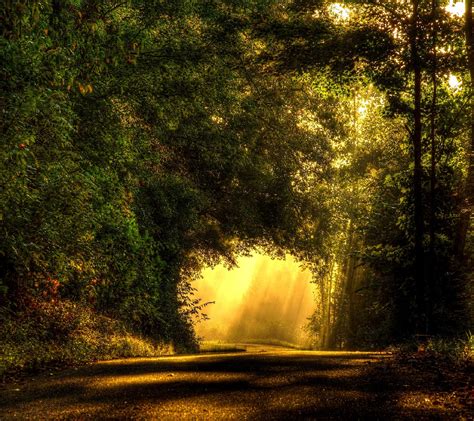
(261, 299)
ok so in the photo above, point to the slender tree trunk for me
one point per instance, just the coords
(326, 305)
(346, 307)
(340, 307)
(329, 310)
(432, 250)
(353, 305)
(322, 328)
(466, 206)
(418, 172)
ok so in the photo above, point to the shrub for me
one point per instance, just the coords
(60, 332)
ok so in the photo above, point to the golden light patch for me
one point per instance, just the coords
(340, 12)
(455, 8)
(453, 82)
(260, 299)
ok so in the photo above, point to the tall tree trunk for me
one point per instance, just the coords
(340, 308)
(354, 303)
(418, 172)
(432, 250)
(466, 206)
(327, 317)
(329, 310)
(326, 305)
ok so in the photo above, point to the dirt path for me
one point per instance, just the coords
(259, 384)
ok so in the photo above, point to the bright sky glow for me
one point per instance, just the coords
(257, 295)
(361, 110)
(454, 82)
(340, 11)
(456, 8)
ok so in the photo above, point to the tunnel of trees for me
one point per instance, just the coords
(143, 140)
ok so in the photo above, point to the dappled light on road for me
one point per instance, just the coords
(264, 383)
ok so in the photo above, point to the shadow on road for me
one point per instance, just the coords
(277, 385)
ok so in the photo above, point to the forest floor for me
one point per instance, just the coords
(266, 382)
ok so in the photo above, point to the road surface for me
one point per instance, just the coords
(262, 383)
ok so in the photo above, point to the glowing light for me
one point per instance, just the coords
(261, 299)
(455, 8)
(339, 11)
(362, 109)
(341, 162)
(453, 82)
(216, 119)
(308, 121)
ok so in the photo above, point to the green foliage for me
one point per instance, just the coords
(52, 334)
(454, 350)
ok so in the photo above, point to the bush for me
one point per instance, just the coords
(455, 350)
(60, 333)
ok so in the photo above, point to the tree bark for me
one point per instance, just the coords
(341, 314)
(467, 201)
(325, 305)
(418, 172)
(432, 247)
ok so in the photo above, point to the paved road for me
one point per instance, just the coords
(263, 383)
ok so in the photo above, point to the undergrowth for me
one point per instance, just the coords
(60, 333)
(457, 351)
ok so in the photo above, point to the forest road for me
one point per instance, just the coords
(259, 384)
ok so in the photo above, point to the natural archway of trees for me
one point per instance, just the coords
(145, 140)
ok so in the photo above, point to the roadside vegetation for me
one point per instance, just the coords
(219, 346)
(59, 334)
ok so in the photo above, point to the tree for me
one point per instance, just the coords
(466, 207)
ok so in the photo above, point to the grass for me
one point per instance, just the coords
(273, 342)
(218, 346)
(456, 350)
